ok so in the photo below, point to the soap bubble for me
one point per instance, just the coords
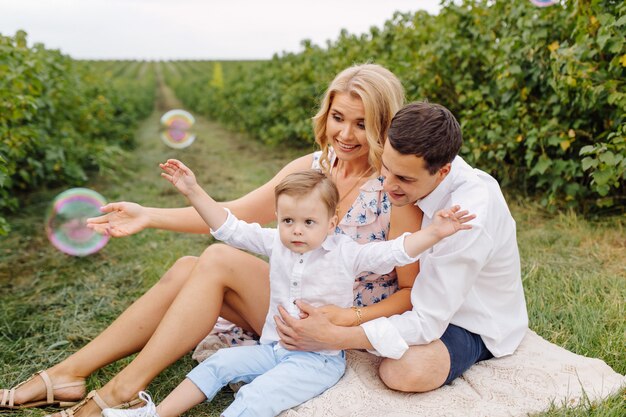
(177, 129)
(66, 222)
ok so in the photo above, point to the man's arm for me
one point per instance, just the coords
(447, 275)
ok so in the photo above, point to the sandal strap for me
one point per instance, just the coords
(93, 395)
(7, 397)
(69, 412)
(98, 400)
(129, 404)
(48, 383)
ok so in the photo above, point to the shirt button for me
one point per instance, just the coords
(301, 260)
(295, 284)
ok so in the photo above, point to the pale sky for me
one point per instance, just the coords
(193, 29)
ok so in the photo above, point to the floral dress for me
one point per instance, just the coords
(367, 220)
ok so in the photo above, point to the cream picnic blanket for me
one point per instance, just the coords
(536, 376)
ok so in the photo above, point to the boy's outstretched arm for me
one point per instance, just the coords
(446, 223)
(185, 181)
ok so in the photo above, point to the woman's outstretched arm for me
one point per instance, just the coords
(127, 218)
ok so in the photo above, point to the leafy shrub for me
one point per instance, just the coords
(59, 119)
(540, 92)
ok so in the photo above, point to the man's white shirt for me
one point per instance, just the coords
(471, 279)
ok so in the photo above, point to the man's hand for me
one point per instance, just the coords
(313, 333)
(120, 219)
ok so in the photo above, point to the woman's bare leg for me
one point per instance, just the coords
(221, 272)
(126, 335)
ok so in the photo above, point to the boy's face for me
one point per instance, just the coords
(303, 221)
(406, 177)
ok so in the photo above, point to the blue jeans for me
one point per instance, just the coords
(277, 379)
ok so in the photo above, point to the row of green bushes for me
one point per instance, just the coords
(540, 92)
(60, 119)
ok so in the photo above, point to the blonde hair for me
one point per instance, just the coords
(303, 183)
(382, 95)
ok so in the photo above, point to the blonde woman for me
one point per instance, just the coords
(178, 312)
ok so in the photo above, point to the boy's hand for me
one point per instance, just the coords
(179, 175)
(449, 221)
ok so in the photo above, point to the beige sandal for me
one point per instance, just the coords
(99, 402)
(8, 395)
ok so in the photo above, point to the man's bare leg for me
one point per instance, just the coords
(422, 368)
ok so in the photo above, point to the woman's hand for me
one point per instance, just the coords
(339, 316)
(120, 219)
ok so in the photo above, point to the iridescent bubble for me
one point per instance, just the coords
(66, 222)
(177, 129)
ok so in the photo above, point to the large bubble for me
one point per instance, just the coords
(177, 128)
(66, 222)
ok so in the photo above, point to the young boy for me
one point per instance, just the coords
(307, 261)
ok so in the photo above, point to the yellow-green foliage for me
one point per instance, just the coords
(218, 76)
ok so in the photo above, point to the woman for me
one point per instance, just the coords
(175, 314)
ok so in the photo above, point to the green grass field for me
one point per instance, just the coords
(51, 304)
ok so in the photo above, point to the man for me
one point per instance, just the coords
(468, 299)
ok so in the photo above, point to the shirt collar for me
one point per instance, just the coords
(432, 202)
(329, 243)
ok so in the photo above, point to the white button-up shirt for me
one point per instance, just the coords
(321, 276)
(471, 279)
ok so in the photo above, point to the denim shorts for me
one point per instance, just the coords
(465, 349)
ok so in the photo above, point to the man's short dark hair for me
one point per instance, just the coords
(427, 130)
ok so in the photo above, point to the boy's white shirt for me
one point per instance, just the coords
(471, 279)
(325, 275)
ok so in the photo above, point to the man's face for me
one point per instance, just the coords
(406, 177)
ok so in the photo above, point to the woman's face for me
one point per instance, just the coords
(345, 127)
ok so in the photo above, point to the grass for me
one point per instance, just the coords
(51, 304)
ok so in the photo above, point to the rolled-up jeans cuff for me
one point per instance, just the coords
(205, 380)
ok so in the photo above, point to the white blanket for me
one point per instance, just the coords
(537, 375)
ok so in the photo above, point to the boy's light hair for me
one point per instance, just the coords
(382, 95)
(305, 182)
